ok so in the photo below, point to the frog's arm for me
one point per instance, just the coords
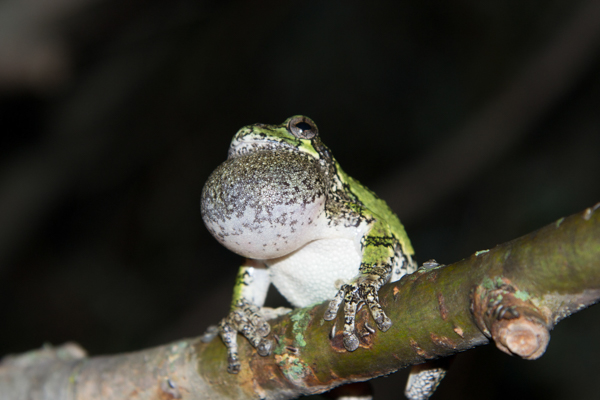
(380, 255)
(249, 294)
(251, 284)
(386, 256)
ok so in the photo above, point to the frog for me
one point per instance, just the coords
(282, 201)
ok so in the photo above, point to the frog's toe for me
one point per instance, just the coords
(233, 366)
(334, 305)
(229, 335)
(370, 296)
(351, 342)
(249, 322)
(383, 322)
(386, 324)
(263, 328)
(330, 313)
(256, 338)
(264, 347)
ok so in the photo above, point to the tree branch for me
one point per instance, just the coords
(514, 294)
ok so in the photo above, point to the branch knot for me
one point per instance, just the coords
(508, 316)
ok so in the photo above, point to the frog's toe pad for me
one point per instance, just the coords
(262, 328)
(264, 347)
(384, 323)
(233, 366)
(351, 342)
(330, 315)
(334, 305)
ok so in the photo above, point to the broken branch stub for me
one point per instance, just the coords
(506, 314)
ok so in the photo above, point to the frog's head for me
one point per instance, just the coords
(268, 199)
(297, 133)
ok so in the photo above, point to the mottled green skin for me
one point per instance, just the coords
(378, 209)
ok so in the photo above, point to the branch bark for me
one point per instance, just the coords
(514, 294)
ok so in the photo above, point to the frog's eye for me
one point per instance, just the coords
(302, 127)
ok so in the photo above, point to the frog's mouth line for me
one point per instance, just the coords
(259, 144)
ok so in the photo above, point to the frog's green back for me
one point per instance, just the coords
(379, 207)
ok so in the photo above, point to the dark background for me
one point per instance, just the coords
(478, 122)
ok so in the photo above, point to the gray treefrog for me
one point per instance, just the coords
(283, 201)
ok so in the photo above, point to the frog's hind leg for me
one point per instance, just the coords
(245, 316)
(424, 379)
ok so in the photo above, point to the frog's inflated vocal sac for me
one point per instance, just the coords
(282, 200)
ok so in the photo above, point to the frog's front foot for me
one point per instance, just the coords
(352, 295)
(246, 319)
